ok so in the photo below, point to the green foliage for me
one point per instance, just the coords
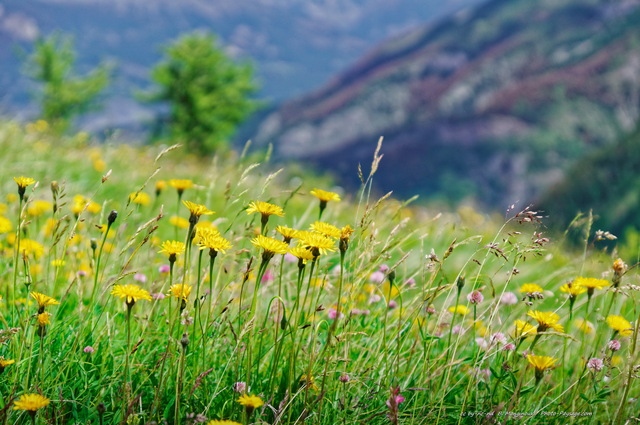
(207, 92)
(64, 95)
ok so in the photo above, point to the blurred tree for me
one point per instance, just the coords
(64, 95)
(207, 92)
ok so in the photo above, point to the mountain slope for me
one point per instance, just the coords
(496, 100)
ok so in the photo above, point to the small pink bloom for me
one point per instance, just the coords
(81, 273)
(384, 268)
(165, 268)
(240, 387)
(374, 298)
(509, 298)
(498, 338)
(333, 313)
(431, 310)
(344, 378)
(139, 277)
(392, 304)
(509, 347)
(613, 345)
(88, 349)
(475, 297)
(457, 329)
(290, 258)
(377, 277)
(158, 296)
(358, 312)
(410, 283)
(482, 343)
(595, 364)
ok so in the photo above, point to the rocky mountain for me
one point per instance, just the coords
(295, 44)
(497, 101)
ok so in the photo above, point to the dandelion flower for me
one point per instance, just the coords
(459, 309)
(160, 186)
(572, 289)
(30, 402)
(317, 243)
(211, 239)
(180, 185)
(4, 363)
(179, 222)
(620, 325)
(266, 210)
(5, 225)
(31, 247)
(44, 319)
(541, 363)
(287, 233)
(345, 238)
(523, 329)
(584, 326)
(324, 198)
(43, 301)
(546, 320)
(250, 401)
(172, 249)
(301, 253)
(131, 293)
(196, 211)
(22, 183)
(181, 290)
(39, 207)
(591, 284)
(269, 246)
(529, 288)
(140, 198)
(326, 229)
(309, 381)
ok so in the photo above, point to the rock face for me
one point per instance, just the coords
(494, 101)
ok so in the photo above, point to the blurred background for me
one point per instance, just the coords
(486, 102)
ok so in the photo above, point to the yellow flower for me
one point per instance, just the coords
(326, 229)
(523, 329)
(181, 290)
(39, 207)
(172, 248)
(80, 203)
(620, 325)
(131, 293)
(11, 198)
(160, 186)
(208, 238)
(572, 289)
(44, 319)
(302, 253)
(590, 283)
(23, 182)
(531, 287)
(546, 320)
(584, 326)
(346, 232)
(4, 363)
(459, 309)
(325, 196)
(222, 422)
(5, 225)
(43, 300)
(287, 232)
(265, 208)
(180, 185)
(58, 263)
(318, 243)
(310, 382)
(140, 198)
(251, 401)
(28, 247)
(270, 245)
(541, 363)
(179, 222)
(31, 402)
(197, 209)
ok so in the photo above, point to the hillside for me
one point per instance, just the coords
(494, 101)
(295, 45)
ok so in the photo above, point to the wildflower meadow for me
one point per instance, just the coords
(141, 285)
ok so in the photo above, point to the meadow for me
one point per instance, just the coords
(142, 285)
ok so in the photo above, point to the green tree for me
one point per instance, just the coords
(208, 93)
(64, 95)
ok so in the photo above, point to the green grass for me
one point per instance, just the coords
(408, 360)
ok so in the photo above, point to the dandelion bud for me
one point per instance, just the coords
(94, 244)
(112, 217)
(392, 276)
(184, 341)
(101, 409)
(460, 283)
